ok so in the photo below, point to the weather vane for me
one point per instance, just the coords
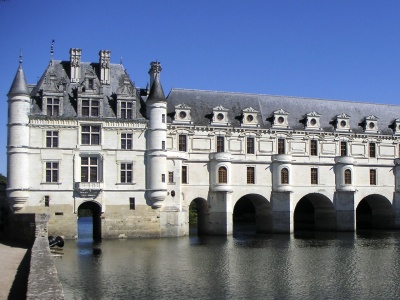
(52, 49)
(20, 56)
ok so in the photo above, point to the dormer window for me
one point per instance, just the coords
(341, 122)
(90, 108)
(126, 110)
(312, 121)
(395, 126)
(182, 114)
(279, 119)
(250, 117)
(220, 116)
(370, 124)
(53, 107)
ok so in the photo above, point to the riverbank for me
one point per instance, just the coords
(14, 271)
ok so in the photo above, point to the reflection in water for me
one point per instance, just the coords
(242, 266)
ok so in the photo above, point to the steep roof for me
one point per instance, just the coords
(156, 91)
(202, 103)
(58, 73)
(19, 85)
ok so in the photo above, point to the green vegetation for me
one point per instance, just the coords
(193, 213)
(84, 213)
(3, 179)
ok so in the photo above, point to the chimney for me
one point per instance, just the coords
(75, 59)
(155, 70)
(104, 61)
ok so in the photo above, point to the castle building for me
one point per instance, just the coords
(85, 137)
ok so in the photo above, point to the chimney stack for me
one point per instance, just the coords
(75, 59)
(104, 61)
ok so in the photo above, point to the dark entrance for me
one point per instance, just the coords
(314, 212)
(375, 212)
(252, 213)
(91, 210)
(198, 214)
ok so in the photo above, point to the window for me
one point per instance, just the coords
(51, 171)
(372, 177)
(163, 118)
(250, 175)
(90, 108)
(184, 174)
(90, 84)
(132, 203)
(170, 177)
(90, 135)
(222, 175)
(250, 145)
(347, 176)
(126, 141)
(284, 176)
(281, 146)
(126, 173)
(343, 148)
(163, 145)
(89, 169)
(182, 142)
(372, 151)
(314, 147)
(46, 201)
(162, 177)
(220, 144)
(51, 139)
(126, 110)
(53, 107)
(314, 176)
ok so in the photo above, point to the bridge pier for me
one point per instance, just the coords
(220, 213)
(396, 208)
(282, 212)
(345, 211)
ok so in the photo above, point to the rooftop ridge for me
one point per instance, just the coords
(284, 96)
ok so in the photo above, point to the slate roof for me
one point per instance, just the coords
(19, 85)
(202, 103)
(59, 72)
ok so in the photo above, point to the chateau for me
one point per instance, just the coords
(85, 137)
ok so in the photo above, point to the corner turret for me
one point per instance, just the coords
(156, 109)
(18, 141)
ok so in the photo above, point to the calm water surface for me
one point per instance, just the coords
(242, 266)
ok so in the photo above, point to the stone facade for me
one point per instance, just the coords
(86, 137)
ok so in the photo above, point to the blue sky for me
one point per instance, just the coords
(333, 49)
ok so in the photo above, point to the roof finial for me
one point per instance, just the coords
(52, 49)
(120, 60)
(20, 57)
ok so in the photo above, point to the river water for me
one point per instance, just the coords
(365, 265)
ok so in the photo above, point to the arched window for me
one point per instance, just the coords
(222, 175)
(347, 176)
(284, 176)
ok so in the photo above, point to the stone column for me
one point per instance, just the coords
(282, 212)
(220, 213)
(345, 211)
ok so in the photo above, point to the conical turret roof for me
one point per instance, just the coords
(156, 91)
(19, 85)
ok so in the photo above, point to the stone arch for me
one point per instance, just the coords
(202, 213)
(95, 209)
(315, 211)
(256, 209)
(375, 212)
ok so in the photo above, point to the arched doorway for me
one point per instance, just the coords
(91, 211)
(314, 212)
(375, 212)
(198, 214)
(252, 213)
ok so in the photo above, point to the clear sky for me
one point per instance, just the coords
(333, 49)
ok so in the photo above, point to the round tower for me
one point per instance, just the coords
(18, 141)
(156, 156)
